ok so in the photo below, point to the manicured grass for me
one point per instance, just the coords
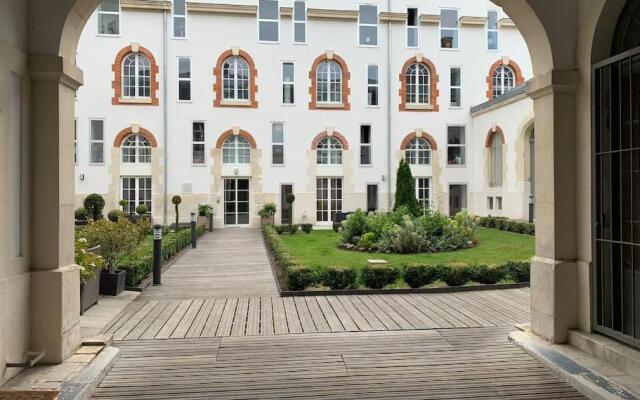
(320, 248)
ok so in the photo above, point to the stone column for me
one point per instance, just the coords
(553, 269)
(55, 279)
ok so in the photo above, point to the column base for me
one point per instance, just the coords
(553, 298)
(55, 312)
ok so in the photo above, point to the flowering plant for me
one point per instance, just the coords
(88, 262)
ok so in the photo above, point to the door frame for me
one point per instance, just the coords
(466, 185)
(293, 190)
(224, 202)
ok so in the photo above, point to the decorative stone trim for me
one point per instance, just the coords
(469, 20)
(511, 64)
(323, 135)
(145, 5)
(117, 142)
(227, 9)
(322, 13)
(227, 134)
(393, 17)
(253, 74)
(494, 131)
(313, 89)
(434, 79)
(117, 80)
(423, 135)
(430, 19)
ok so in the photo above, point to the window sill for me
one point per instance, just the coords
(97, 164)
(449, 49)
(374, 107)
(269, 41)
(426, 107)
(278, 165)
(198, 165)
(185, 101)
(456, 108)
(330, 105)
(132, 100)
(328, 165)
(179, 38)
(235, 103)
(456, 165)
(366, 165)
(369, 46)
(288, 104)
(107, 35)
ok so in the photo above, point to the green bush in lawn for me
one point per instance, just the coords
(81, 214)
(339, 277)
(94, 204)
(378, 276)
(367, 241)
(300, 278)
(115, 215)
(281, 253)
(306, 228)
(508, 225)
(518, 271)
(418, 275)
(456, 274)
(406, 189)
(354, 227)
(293, 228)
(486, 274)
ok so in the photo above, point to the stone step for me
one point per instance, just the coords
(616, 354)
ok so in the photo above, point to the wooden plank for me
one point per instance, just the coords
(213, 320)
(253, 317)
(226, 320)
(356, 317)
(159, 322)
(266, 316)
(186, 321)
(146, 322)
(279, 318)
(392, 313)
(377, 311)
(372, 319)
(240, 318)
(201, 319)
(319, 320)
(134, 320)
(343, 315)
(174, 320)
(305, 316)
(293, 320)
(329, 314)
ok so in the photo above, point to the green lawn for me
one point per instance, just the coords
(320, 248)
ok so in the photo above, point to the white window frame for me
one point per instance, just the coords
(274, 144)
(457, 29)
(503, 70)
(137, 87)
(236, 150)
(118, 13)
(175, 16)
(416, 101)
(236, 60)
(277, 21)
(137, 150)
(496, 30)
(373, 85)
(329, 63)
(330, 199)
(180, 79)
(136, 202)
(413, 154)
(369, 145)
(296, 22)
(424, 204)
(463, 146)
(292, 84)
(459, 87)
(92, 141)
(362, 24)
(333, 153)
(489, 203)
(409, 27)
(198, 142)
(495, 161)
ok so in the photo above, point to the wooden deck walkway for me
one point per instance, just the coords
(213, 317)
(470, 363)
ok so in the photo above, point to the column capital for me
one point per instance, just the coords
(553, 82)
(55, 68)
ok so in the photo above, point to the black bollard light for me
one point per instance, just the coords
(210, 219)
(194, 236)
(157, 255)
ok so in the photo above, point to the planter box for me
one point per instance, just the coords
(89, 293)
(112, 284)
(203, 220)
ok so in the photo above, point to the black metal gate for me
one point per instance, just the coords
(616, 197)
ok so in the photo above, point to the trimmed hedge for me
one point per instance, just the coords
(378, 276)
(339, 277)
(506, 224)
(300, 278)
(418, 275)
(139, 262)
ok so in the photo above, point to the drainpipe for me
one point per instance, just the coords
(165, 200)
(389, 83)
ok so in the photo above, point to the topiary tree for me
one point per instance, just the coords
(115, 215)
(123, 203)
(81, 214)
(176, 200)
(406, 189)
(290, 198)
(94, 204)
(142, 210)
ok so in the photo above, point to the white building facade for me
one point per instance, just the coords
(317, 98)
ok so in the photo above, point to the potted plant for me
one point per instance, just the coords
(203, 215)
(267, 212)
(90, 263)
(176, 200)
(115, 239)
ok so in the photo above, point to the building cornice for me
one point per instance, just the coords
(145, 5)
(506, 23)
(343, 15)
(286, 12)
(469, 20)
(228, 9)
(393, 17)
(430, 19)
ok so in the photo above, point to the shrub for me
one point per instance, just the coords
(338, 278)
(281, 253)
(114, 238)
(267, 210)
(379, 275)
(506, 224)
(142, 210)
(420, 275)
(354, 227)
(94, 204)
(405, 189)
(293, 228)
(203, 210)
(367, 241)
(486, 274)
(306, 228)
(280, 229)
(300, 278)
(518, 271)
(81, 214)
(456, 274)
(115, 215)
(88, 262)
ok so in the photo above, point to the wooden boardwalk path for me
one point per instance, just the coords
(217, 329)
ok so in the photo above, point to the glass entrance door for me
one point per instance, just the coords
(286, 215)
(457, 199)
(236, 201)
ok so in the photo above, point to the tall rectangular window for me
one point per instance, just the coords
(109, 17)
(413, 28)
(179, 19)
(268, 21)
(15, 172)
(372, 198)
(372, 85)
(299, 22)
(456, 87)
(328, 198)
(136, 191)
(277, 144)
(492, 30)
(456, 145)
(184, 79)
(198, 145)
(365, 144)
(288, 85)
(448, 29)
(96, 141)
(423, 193)
(368, 25)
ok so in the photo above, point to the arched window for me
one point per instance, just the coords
(495, 152)
(136, 76)
(504, 80)
(136, 149)
(329, 82)
(235, 77)
(329, 151)
(418, 83)
(236, 150)
(418, 152)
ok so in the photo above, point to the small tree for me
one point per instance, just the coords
(176, 200)
(123, 203)
(142, 210)
(114, 238)
(94, 204)
(290, 198)
(267, 211)
(406, 189)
